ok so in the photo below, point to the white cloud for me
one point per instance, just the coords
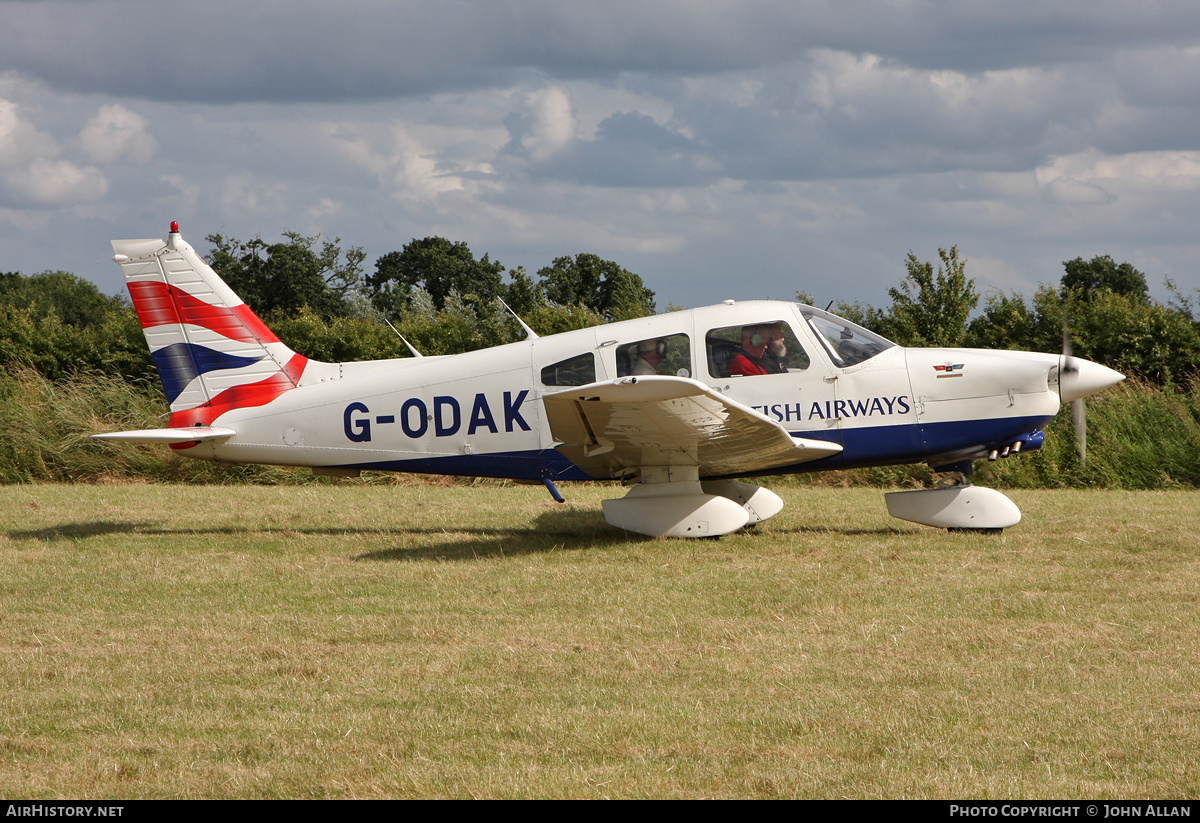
(243, 195)
(1151, 169)
(58, 182)
(413, 161)
(27, 220)
(1090, 177)
(182, 200)
(326, 208)
(114, 134)
(1071, 192)
(21, 141)
(413, 169)
(360, 149)
(31, 167)
(548, 123)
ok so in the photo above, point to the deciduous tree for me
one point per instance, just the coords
(438, 266)
(927, 309)
(1085, 279)
(600, 285)
(283, 278)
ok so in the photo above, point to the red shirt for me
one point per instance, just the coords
(741, 364)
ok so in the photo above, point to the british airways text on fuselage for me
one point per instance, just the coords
(442, 416)
(836, 409)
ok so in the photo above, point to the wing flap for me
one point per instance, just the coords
(612, 427)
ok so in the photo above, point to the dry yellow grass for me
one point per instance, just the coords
(424, 641)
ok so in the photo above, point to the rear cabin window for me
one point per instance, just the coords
(575, 371)
(671, 355)
(770, 347)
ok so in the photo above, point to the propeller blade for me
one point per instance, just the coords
(1079, 422)
(1078, 406)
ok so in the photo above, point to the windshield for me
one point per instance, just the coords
(848, 344)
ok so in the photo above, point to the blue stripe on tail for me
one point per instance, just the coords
(180, 363)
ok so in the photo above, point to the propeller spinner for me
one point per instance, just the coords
(1076, 380)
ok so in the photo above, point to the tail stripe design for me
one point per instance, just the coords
(243, 396)
(180, 363)
(158, 304)
(212, 352)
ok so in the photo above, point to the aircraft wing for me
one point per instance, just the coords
(192, 434)
(610, 428)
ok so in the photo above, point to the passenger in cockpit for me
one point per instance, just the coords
(650, 354)
(772, 359)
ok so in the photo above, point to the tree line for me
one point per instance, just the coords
(75, 360)
(317, 296)
(320, 299)
(1100, 309)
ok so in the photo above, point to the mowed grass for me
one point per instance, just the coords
(433, 641)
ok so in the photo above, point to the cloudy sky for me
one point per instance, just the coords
(719, 149)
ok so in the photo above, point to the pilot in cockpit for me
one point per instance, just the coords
(749, 358)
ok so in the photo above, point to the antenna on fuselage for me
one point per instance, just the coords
(830, 303)
(530, 334)
(398, 334)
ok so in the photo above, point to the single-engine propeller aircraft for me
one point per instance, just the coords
(680, 406)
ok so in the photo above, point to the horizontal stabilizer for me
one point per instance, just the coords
(192, 434)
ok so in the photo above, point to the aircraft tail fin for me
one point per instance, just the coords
(212, 352)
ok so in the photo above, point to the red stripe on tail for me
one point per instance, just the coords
(158, 304)
(239, 397)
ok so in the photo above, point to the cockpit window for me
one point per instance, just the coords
(848, 344)
(670, 355)
(769, 347)
(575, 371)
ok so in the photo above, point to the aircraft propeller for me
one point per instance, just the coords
(1070, 366)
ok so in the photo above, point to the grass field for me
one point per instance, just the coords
(426, 641)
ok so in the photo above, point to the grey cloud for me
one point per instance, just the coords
(1159, 76)
(693, 141)
(630, 150)
(218, 50)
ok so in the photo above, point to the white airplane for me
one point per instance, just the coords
(679, 405)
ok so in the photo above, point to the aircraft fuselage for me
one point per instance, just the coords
(480, 413)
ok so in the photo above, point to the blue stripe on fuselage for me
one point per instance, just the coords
(867, 446)
(521, 465)
(893, 445)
